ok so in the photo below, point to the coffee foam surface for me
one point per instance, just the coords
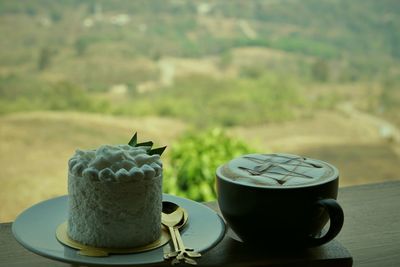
(277, 170)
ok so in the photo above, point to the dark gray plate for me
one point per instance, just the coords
(35, 229)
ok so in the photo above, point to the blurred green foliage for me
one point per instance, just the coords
(206, 101)
(44, 60)
(193, 160)
(27, 94)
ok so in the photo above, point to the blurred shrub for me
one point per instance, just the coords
(81, 45)
(26, 94)
(205, 101)
(389, 97)
(320, 70)
(66, 96)
(190, 171)
(253, 72)
(46, 55)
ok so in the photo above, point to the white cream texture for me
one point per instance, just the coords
(120, 163)
(115, 195)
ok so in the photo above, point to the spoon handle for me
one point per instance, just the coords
(183, 250)
(174, 242)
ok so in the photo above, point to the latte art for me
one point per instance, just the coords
(291, 197)
(277, 170)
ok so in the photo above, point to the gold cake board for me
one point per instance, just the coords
(86, 250)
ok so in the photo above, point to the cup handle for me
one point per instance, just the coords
(336, 218)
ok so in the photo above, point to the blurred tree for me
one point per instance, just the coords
(225, 60)
(194, 159)
(55, 15)
(65, 95)
(81, 45)
(320, 70)
(44, 59)
(389, 97)
(31, 11)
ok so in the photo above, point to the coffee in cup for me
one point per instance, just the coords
(280, 199)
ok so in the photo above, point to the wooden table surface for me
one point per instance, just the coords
(371, 233)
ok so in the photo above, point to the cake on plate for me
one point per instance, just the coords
(115, 195)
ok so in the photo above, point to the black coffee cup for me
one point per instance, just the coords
(280, 200)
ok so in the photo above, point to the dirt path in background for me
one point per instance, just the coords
(387, 130)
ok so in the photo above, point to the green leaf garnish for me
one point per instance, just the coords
(155, 151)
(148, 143)
(133, 140)
(158, 150)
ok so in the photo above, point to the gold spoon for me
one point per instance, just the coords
(182, 250)
(171, 216)
(170, 207)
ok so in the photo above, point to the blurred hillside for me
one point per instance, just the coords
(277, 60)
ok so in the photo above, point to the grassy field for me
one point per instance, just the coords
(35, 148)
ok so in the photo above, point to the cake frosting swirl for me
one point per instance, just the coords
(120, 163)
(115, 195)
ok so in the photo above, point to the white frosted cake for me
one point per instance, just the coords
(115, 196)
